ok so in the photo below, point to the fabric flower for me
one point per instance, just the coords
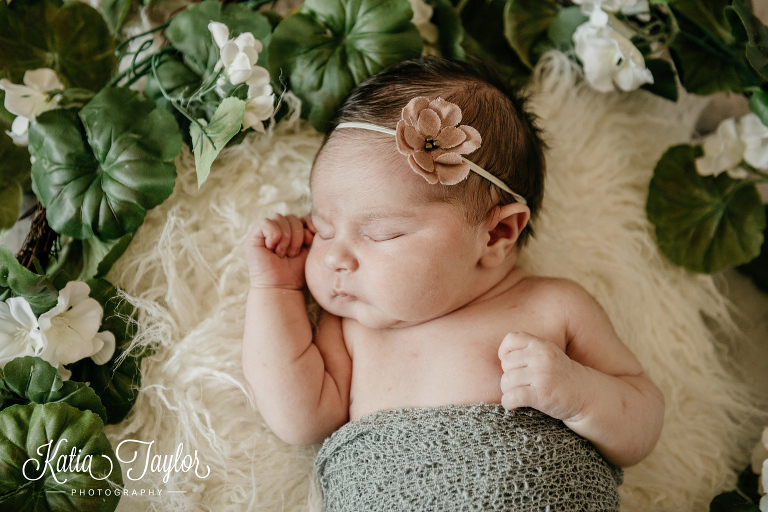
(19, 331)
(70, 330)
(723, 152)
(625, 6)
(754, 135)
(430, 135)
(260, 103)
(31, 99)
(238, 55)
(609, 58)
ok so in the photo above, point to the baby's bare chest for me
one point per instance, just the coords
(451, 360)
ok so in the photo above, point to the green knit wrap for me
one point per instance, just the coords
(463, 457)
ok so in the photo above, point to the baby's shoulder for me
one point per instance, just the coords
(550, 291)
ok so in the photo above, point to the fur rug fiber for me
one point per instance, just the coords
(185, 271)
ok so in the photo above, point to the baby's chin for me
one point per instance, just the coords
(357, 310)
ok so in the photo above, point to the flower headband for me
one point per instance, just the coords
(430, 136)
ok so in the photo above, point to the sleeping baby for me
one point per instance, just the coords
(440, 375)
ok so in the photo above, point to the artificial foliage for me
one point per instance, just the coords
(96, 136)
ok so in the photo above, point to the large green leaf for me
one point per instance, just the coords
(526, 23)
(117, 381)
(14, 162)
(757, 269)
(758, 104)
(484, 39)
(11, 197)
(707, 56)
(757, 33)
(451, 31)
(333, 45)
(188, 32)
(17, 281)
(563, 26)
(81, 260)
(71, 37)
(30, 379)
(115, 12)
(208, 142)
(103, 186)
(703, 223)
(36, 473)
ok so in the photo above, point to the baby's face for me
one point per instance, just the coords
(383, 254)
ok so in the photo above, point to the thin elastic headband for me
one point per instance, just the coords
(472, 166)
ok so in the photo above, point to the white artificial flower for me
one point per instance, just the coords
(422, 13)
(31, 99)
(723, 151)
(19, 331)
(70, 330)
(260, 103)
(609, 58)
(754, 135)
(639, 8)
(238, 55)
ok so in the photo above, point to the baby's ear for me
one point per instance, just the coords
(502, 228)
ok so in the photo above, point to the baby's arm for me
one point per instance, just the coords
(300, 385)
(597, 387)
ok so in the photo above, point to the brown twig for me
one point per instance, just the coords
(39, 241)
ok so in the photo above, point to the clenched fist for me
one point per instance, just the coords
(538, 374)
(276, 250)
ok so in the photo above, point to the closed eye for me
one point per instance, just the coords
(384, 238)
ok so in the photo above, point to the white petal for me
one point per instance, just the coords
(42, 79)
(75, 292)
(22, 100)
(20, 126)
(240, 69)
(21, 312)
(259, 77)
(246, 40)
(107, 349)
(220, 33)
(228, 53)
(754, 135)
(738, 173)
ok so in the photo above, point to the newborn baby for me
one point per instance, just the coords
(443, 376)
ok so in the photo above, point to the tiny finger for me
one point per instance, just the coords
(297, 235)
(285, 228)
(513, 341)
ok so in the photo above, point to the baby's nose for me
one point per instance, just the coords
(338, 257)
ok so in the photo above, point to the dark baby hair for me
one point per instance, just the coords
(512, 146)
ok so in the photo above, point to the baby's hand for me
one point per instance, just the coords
(276, 250)
(538, 374)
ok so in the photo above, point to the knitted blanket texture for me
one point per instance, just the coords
(457, 457)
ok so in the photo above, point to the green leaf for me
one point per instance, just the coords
(49, 432)
(11, 197)
(707, 57)
(450, 29)
(115, 12)
(757, 47)
(189, 34)
(484, 38)
(703, 223)
(708, 15)
(757, 269)
(17, 281)
(81, 260)
(30, 379)
(14, 162)
(71, 38)
(758, 104)
(104, 186)
(118, 380)
(560, 32)
(208, 142)
(526, 23)
(333, 45)
(664, 83)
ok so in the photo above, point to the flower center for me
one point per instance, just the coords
(430, 143)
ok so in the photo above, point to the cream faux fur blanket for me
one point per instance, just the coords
(186, 272)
